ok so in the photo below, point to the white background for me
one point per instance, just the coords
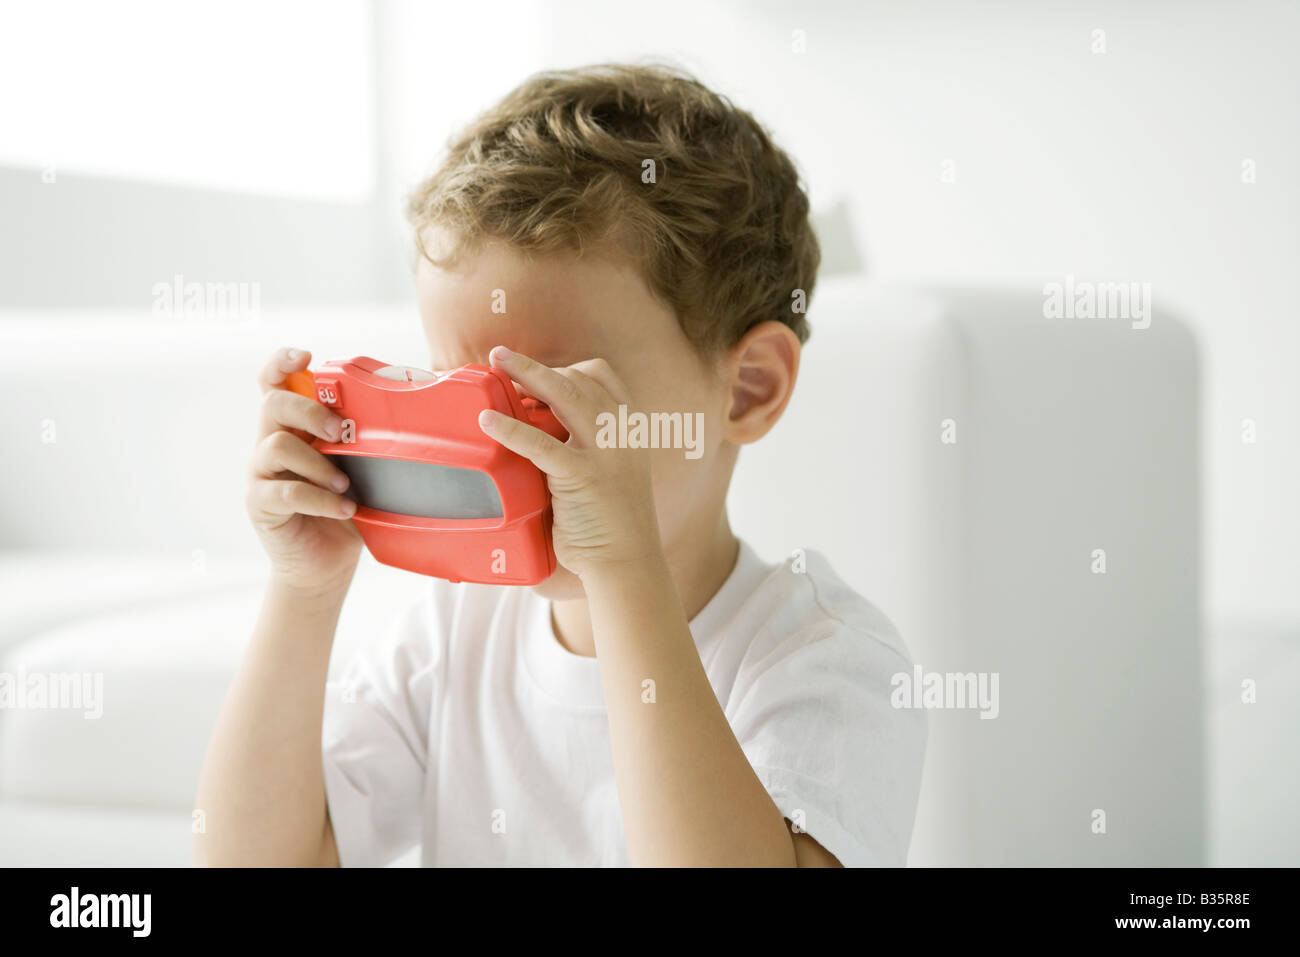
(1117, 166)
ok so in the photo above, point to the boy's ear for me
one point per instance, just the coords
(761, 369)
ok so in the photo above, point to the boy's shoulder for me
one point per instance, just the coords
(800, 603)
(805, 598)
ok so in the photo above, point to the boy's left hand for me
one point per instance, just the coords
(602, 498)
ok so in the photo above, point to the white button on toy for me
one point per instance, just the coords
(406, 374)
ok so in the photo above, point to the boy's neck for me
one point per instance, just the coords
(699, 568)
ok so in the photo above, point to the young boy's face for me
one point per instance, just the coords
(560, 309)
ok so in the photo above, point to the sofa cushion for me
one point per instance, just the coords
(162, 660)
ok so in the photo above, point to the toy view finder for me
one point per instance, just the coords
(434, 494)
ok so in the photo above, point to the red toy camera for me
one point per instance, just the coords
(434, 494)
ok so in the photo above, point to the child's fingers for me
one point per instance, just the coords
(284, 452)
(289, 497)
(279, 365)
(565, 394)
(289, 410)
(545, 451)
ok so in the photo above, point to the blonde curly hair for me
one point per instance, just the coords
(646, 160)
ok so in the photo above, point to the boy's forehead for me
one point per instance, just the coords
(559, 309)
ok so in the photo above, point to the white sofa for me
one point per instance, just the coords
(124, 551)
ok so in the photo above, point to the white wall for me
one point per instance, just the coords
(1125, 165)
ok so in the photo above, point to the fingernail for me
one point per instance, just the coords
(293, 355)
(348, 508)
(332, 429)
(486, 417)
(340, 483)
(502, 353)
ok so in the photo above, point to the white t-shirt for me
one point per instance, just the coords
(470, 732)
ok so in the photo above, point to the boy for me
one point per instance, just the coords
(664, 698)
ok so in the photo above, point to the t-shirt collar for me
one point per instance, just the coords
(575, 679)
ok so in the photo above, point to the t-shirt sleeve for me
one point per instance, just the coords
(374, 741)
(813, 715)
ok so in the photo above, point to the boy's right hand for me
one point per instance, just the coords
(294, 492)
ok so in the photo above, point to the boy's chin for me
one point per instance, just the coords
(563, 585)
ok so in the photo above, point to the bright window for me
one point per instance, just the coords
(274, 98)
